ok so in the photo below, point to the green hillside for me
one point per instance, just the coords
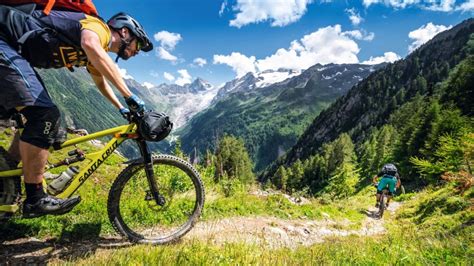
(79, 100)
(415, 112)
(271, 119)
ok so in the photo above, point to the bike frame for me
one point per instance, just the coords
(119, 135)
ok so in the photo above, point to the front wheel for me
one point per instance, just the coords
(136, 215)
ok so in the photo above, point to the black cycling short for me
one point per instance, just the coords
(20, 84)
(41, 127)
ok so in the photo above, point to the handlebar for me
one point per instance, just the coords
(135, 117)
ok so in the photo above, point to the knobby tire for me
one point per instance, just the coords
(382, 204)
(130, 208)
(10, 187)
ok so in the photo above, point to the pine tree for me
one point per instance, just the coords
(281, 177)
(297, 170)
(232, 160)
(344, 177)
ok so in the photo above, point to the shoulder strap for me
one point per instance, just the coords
(46, 28)
(48, 7)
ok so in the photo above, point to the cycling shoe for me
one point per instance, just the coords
(49, 205)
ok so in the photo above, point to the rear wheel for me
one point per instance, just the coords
(10, 187)
(383, 199)
(135, 214)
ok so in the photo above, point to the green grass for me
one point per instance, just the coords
(432, 227)
(404, 246)
(414, 238)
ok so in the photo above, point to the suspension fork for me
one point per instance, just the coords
(150, 175)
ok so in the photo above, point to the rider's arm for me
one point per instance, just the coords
(99, 58)
(374, 179)
(106, 90)
(399, 183)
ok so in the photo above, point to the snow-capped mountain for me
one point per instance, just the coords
(255, 80)
(181, 103)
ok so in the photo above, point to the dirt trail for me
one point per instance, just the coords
(267, 231)
(275, 233)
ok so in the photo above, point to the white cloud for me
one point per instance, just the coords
(355, 18)
(443, 5)
(357, 34)
(466, 6)
(324, 46)
(223, 6)
(387, 57)
(165, 55)
(185, 78)
(168, 40)
(330, 45)
(124, 74)
(392, 3)
(368, 3)
(433, 5)
(424, 34)
(148, 85)
(240, 63)
(279, 12)
(168, 76)
(154, 74)
(200, 61)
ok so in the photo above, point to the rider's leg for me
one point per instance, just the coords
(380, 187)
(391, 189)
(40, 128)
(377, 197)
(34, 161)
(22, 86)
(389, 197)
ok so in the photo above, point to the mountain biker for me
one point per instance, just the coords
(60, 39)
(389, 177)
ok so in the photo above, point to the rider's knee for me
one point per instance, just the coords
(42, 125)
(379, 192)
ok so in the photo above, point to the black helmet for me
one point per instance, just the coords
(122, 19)
(389, 169)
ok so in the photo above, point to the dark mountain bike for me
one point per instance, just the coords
(382, 202)
(156, 199)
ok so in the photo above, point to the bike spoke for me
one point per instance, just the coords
(143, 218)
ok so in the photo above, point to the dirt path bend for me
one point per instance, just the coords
(269, 232)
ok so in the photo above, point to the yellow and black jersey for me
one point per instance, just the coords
(54, 40)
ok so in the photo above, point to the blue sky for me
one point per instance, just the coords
(218, 40)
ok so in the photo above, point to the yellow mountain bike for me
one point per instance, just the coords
(156, 199)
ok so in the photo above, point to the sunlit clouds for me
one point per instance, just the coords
(325, 45)
(433, 5)
(168, 41)
(184, 78)
(424, 34)
(387, 57)
(277, 12)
